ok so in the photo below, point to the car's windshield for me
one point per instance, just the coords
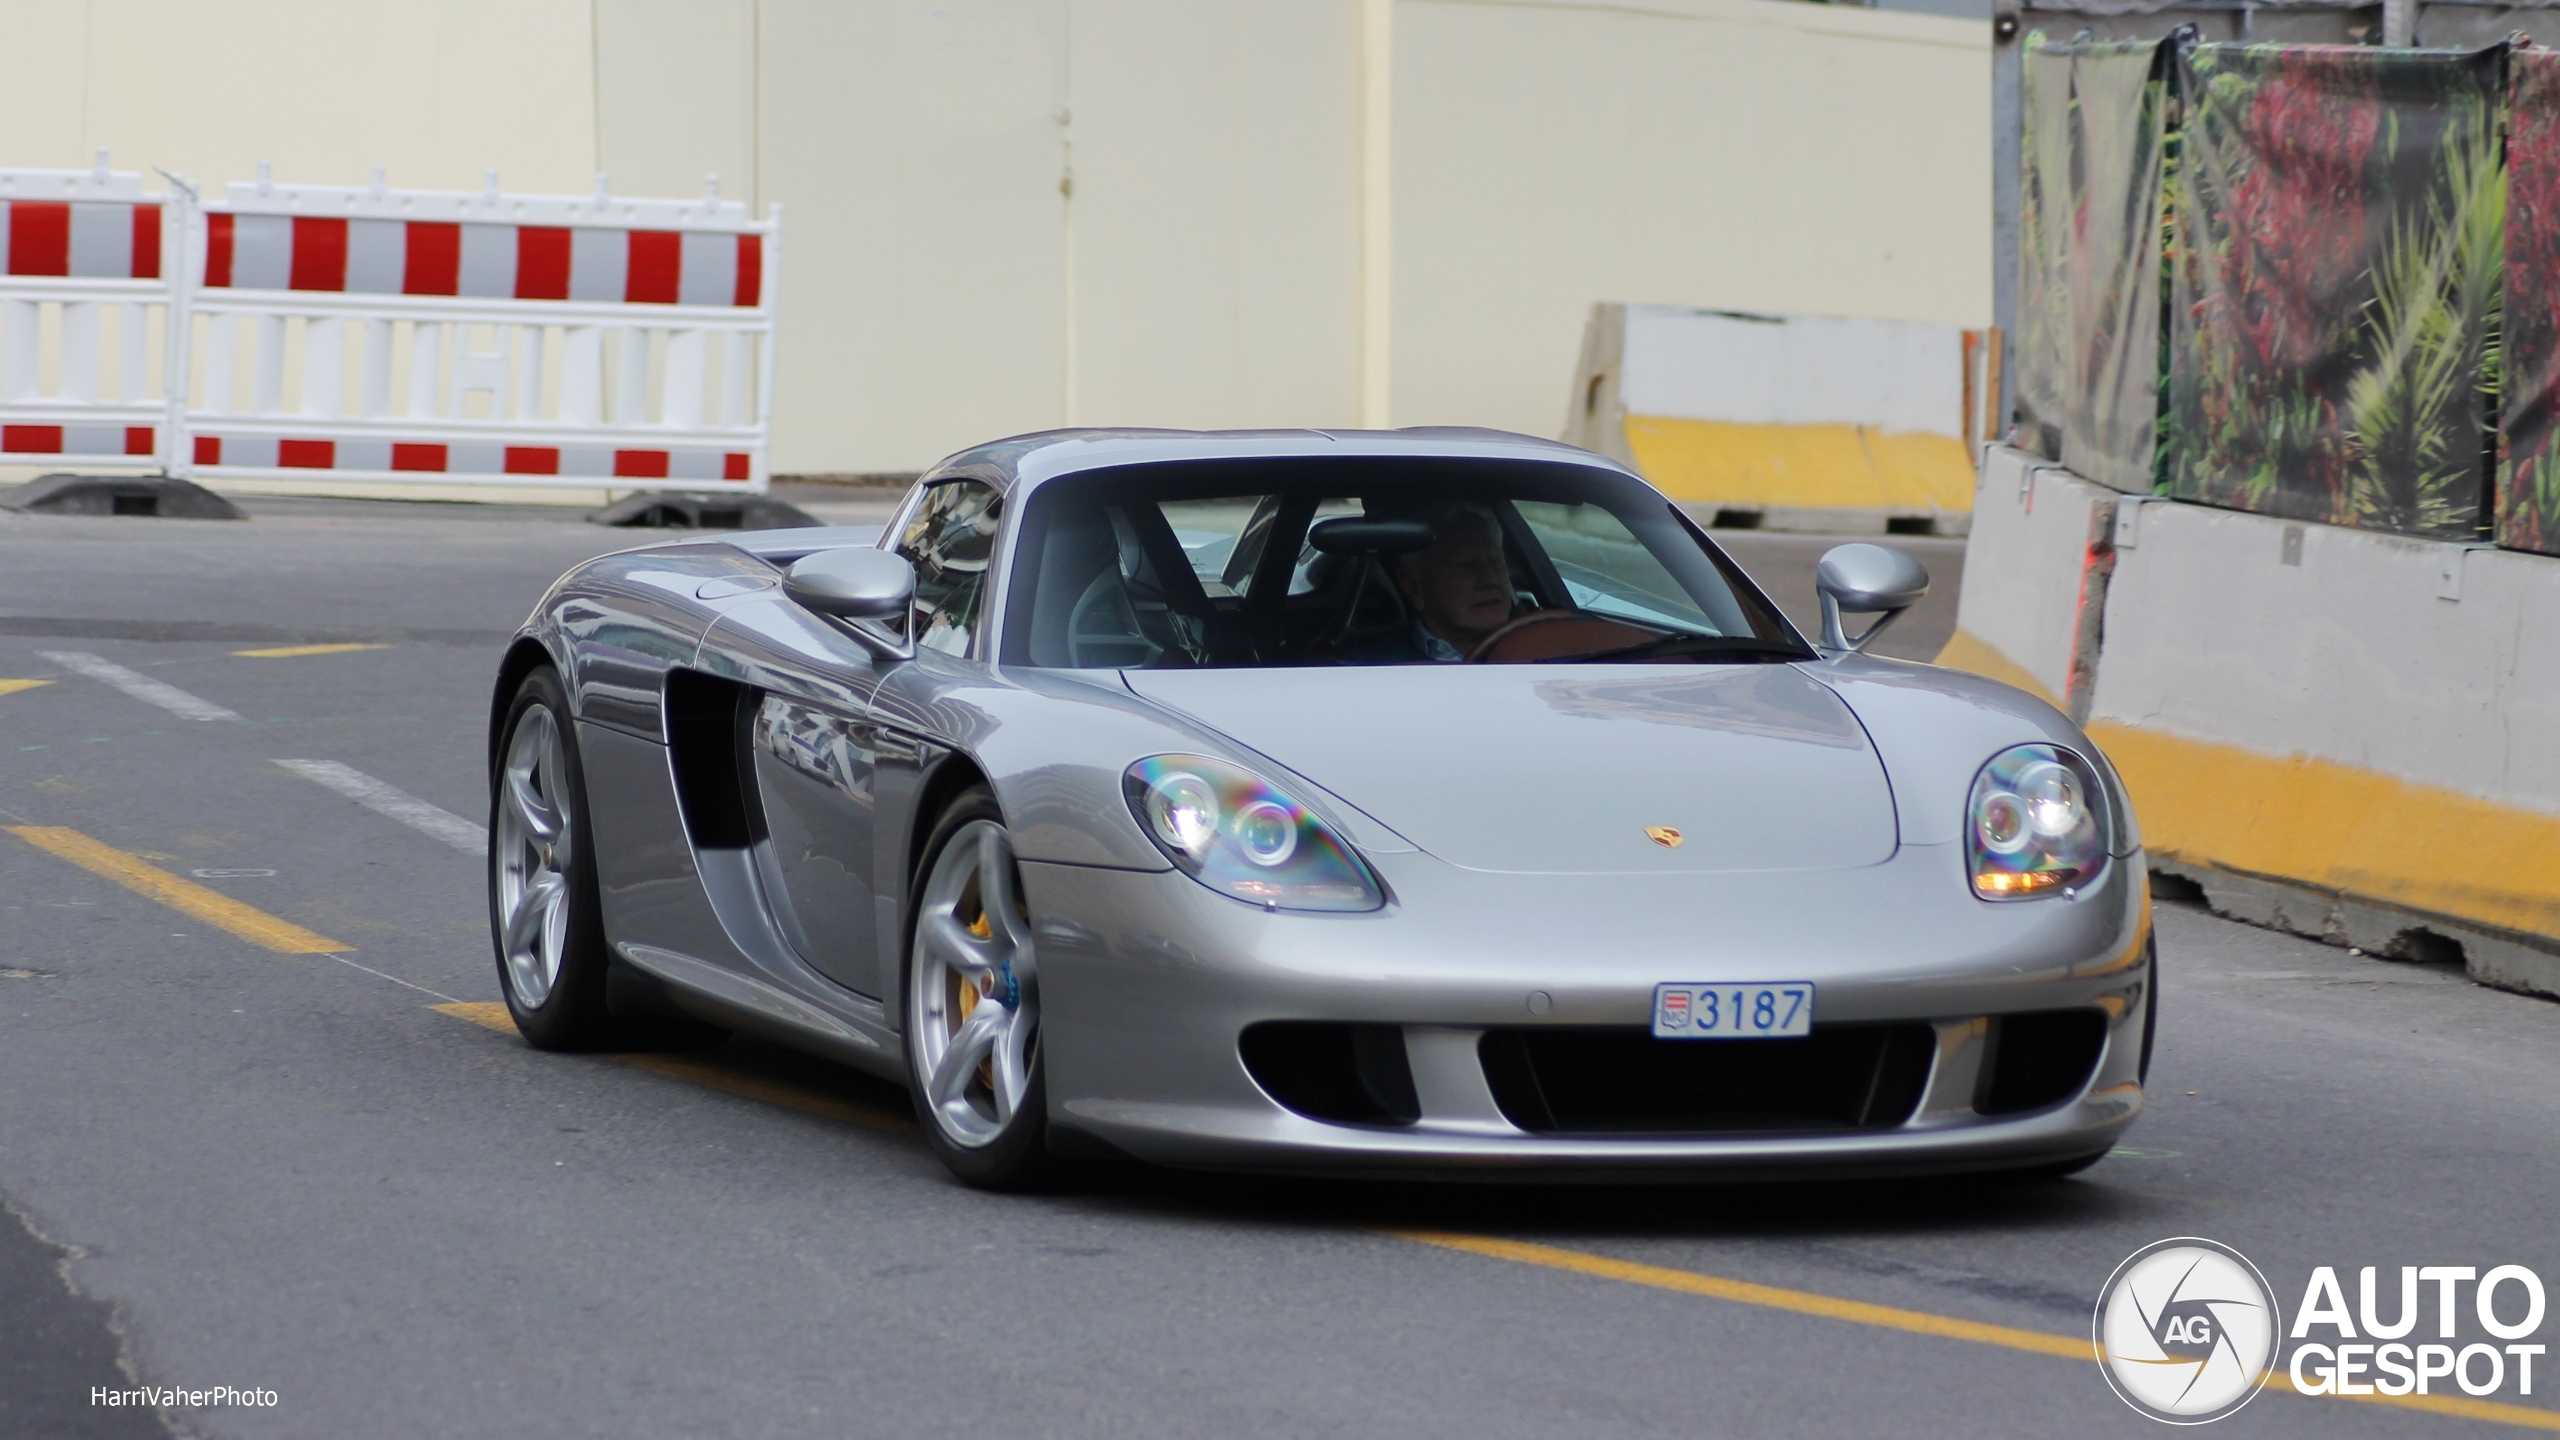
(1371, 562)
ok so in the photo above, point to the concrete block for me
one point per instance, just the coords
(1814, 423)
(2038, 561)
(2432, 663)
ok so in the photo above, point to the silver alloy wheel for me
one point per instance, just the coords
(534, 843)
(973, 1006)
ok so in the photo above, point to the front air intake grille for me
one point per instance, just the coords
(2041, 1059)
(1348, 1074)
(1564, 1080)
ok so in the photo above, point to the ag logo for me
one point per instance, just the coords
(2186, 1329)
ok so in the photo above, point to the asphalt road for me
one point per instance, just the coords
(229, 1165)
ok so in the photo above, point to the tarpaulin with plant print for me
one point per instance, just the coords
(2338, 241)
(2529, 350)
(2089, 254)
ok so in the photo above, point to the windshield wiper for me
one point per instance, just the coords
(1691, 643)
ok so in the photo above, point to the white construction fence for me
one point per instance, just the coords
(85, 365)
(324, 337)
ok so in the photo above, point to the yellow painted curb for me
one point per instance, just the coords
(2355, 833)
(1851, 467)
(2350, 831)
(1969, 652)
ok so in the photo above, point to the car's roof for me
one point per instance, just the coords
(1028, 460)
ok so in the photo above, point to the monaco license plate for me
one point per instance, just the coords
(1765, 1011)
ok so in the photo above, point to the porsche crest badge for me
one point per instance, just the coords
(1665, 836)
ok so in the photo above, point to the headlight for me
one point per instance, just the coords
(2034, 824)
(1228, 829)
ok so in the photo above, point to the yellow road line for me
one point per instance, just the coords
(290, 652)
(1917, 1322)
(152, 883)
(12, 687)
(488, 1014)
(492, 1014)
(2493, 1412)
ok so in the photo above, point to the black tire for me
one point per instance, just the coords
(2150, 1005)
(1016, 1157)
(572, 1014)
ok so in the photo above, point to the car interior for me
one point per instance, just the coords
(1128, 576)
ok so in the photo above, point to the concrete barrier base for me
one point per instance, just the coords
(2340, 733)
(1826, 520)
(2507, 962)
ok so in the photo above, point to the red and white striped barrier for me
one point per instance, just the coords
(485, 338)
(81, 243)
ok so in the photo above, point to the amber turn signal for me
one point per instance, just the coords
(2000, 882)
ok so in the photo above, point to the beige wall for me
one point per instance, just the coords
(675, 88)
(1004, 215)
(1007, 215)
(1731, 153)
(916, 149)
(1214, 221)
(327, 89)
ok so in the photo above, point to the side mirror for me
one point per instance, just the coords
(1865, 579)
(858, 584)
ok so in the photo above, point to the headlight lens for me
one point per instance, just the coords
(2034, 824)
(1182, 812)
(1230, 830)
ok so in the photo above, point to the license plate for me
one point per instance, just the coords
(1733, 1012)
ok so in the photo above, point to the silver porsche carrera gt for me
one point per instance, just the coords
(1429, 801)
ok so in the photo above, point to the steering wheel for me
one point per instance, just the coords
(1103, 625)
(1551, 634)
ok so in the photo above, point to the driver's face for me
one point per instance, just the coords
(1461, 585)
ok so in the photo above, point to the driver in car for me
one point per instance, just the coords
(1458, 590)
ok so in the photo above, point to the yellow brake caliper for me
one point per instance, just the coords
(984, 929)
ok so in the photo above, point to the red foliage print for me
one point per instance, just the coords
(2297, 219)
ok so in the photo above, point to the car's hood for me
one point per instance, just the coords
(1563, 769)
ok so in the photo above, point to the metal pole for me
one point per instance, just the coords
(2400, 22)
(2006, 125)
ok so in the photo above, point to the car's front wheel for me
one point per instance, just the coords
(544, 912)
(973, 1003)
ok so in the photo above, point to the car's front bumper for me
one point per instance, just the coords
(1147, 979)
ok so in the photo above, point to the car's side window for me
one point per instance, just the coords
(950, 538)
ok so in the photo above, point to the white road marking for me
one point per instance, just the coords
(138, 685)
(399, 804)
